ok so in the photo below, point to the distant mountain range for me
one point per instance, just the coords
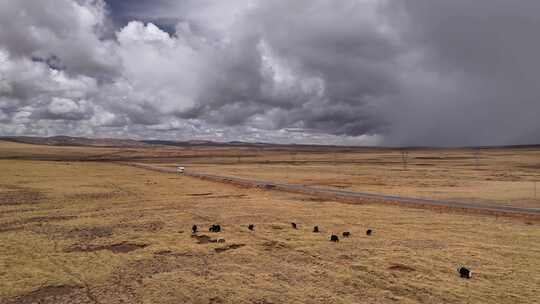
(112, 142)
(199, 143)
(74, 141)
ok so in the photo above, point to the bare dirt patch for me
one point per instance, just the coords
(401, 267)
(44, 219)
(151, 226)
(230, 196)
(312, 199)
(16, 211)
(10, 228)
(199, 194)
(89, 233)
(93, 196)
(229, 247)
(359, 268)
(274, 245)
(50, 294)
(123, 247)
(170, 253)
(533, 166)
(216, 300)
(203, 239)
(83, 234)
(14, 195)
(19, 224)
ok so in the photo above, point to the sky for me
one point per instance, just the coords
(346, 72)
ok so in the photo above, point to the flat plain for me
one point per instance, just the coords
(491, 176)
(78, 228)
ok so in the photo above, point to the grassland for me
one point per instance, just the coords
(97, 232)
(503, 176)
(491, 176)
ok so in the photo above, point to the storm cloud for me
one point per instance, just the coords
(412, 72)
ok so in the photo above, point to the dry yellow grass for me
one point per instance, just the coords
(62, 220)
(499, 176)
(504, 176)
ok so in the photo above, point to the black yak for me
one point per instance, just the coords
(465, 273)
(215, 228)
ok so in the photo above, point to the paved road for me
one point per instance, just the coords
(350, 196)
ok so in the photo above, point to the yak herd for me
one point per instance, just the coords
(463, 271)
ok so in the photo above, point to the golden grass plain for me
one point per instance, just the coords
(97, 232)
(491, 176)
(500, 176)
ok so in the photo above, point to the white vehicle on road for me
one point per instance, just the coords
(180, 169)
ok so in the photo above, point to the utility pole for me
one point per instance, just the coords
(476, 157)
(286, 172)
(404, 156)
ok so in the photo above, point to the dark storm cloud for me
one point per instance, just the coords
(412, 72)
(485, 56)
(345, 59)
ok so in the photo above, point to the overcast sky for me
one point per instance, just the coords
(366, 72)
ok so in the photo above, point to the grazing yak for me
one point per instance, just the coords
(194, 228)
(465, 273)
(316, 229)
(251, 227)
(294, 226)
(215, 228)
(334, 238)
(346, 234)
